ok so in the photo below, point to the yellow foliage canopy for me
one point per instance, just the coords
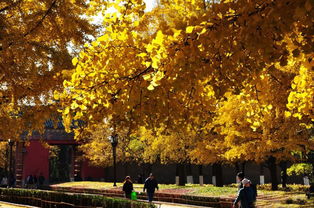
(228, 73)
(34, 39)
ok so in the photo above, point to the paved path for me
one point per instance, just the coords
(11, 205)
(173, 205)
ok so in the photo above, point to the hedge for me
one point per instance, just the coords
(165, 197)
(42, 198)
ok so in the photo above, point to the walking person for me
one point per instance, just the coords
(245, 195)
(240, 177)
(127, 187)
(29, 181)
(150, 185)
(4, 182)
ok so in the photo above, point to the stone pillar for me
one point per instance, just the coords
(214, 180)
(261, 177)
(306, 180)
(201, 177)
(189, 177)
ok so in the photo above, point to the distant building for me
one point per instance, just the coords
(61, 163)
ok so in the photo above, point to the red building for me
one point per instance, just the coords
(53, 155)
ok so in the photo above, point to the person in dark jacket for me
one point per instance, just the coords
(245, 195)
(150, 185)
(240, 177)
(128, 187)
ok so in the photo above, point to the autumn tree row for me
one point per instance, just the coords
(191, 81)
(198, 82)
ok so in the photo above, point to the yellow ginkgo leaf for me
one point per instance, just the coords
(66, 110)
(287, 114)
(159, 38)
(150, 87)
(189, 29)
(74, 61)
(146, 76)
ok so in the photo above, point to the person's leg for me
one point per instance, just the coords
(150, 196)
(128, 195)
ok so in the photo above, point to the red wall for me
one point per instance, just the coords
(36, 160)
(91, 171)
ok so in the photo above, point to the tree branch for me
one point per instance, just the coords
(41, 20)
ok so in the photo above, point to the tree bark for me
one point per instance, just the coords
(148, 169)
(200, 170)
(180, 171)
(237, 168)
(126, 169)
(283, 167)
(273, 173)
(243, 167)
(217, 171)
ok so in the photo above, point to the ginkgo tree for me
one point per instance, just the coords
(243, 67)
(96, 147)
(35, 41)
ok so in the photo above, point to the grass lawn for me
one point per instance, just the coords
(295, 197)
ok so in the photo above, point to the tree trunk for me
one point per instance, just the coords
(6, 166)
(126, 169)
(311, 161)
(273, 173)
(180, 171)
(217, 171)
(148, 169)
(283, 167)
(243, 167)
(200, 173)
(237, 168)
